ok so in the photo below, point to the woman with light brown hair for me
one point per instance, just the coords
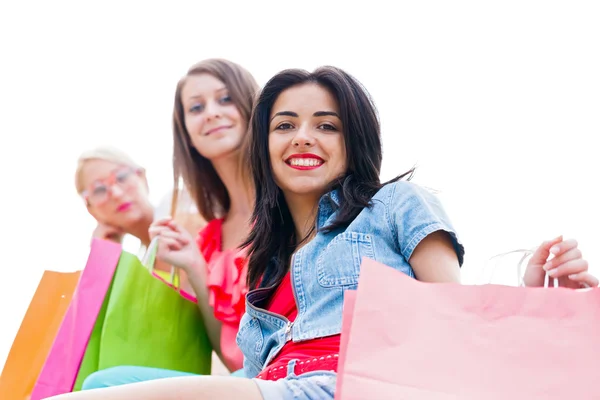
(212, 108)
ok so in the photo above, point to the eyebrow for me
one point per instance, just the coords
(223, 89)
(112, 171)
(316, 114)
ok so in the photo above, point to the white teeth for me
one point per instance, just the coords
(305, 162)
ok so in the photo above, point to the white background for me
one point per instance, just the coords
(497, 102)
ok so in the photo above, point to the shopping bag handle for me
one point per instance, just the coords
(149, 260)
(149, 256)
(548, 281)
(526, 253)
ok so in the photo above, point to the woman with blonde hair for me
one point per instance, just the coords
(115, 191)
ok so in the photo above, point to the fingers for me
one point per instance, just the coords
(585, 279)
(156, 230)
(108, 232)
(166, 232)
(541, 254)
(174, 235)
(115, 237)
(564, 246)
(153, 232)
(566, 265)
(567, 260)
(570, 253)
(166, 221)
(170, 244)
(158, 226)
(175, 226)
(569, 268)
(163, 223)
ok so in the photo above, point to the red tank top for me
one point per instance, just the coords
(322, 352)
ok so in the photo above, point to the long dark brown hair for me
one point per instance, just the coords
(201, 179)
(272, 239)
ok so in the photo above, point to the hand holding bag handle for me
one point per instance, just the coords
(149, 258)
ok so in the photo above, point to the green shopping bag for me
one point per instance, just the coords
(145, 322)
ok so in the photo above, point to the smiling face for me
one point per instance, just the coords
(212, 120)
(306, 140)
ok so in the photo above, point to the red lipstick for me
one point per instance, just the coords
(124, 207)
(304, 161)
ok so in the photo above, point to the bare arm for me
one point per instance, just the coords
(181, 388)
(434, 259)
(197, 278)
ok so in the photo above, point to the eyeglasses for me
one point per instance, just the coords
(99, 191)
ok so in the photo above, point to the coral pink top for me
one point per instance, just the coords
(226, 281)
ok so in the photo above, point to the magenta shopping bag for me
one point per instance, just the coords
(62, 364)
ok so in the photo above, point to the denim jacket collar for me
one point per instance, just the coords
(328, 204)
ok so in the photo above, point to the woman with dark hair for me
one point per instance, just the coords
(315, 153)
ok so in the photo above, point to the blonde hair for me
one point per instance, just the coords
(106, 153)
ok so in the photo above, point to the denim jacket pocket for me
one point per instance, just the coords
(252, 335)
(339, 263)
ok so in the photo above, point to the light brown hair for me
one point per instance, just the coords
(199, 176)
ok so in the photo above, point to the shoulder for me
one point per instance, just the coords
(413, 212)
(398, 191)
(408, 198)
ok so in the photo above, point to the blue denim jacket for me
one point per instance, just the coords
(402, 214)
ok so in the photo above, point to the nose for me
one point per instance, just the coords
(116, 191)
(212, 110)
(303, 138)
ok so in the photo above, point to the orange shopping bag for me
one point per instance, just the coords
(36, 334)
(413, 340)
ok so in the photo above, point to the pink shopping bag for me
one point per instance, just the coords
(415, 340)
(62, 364)
(348, 312)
